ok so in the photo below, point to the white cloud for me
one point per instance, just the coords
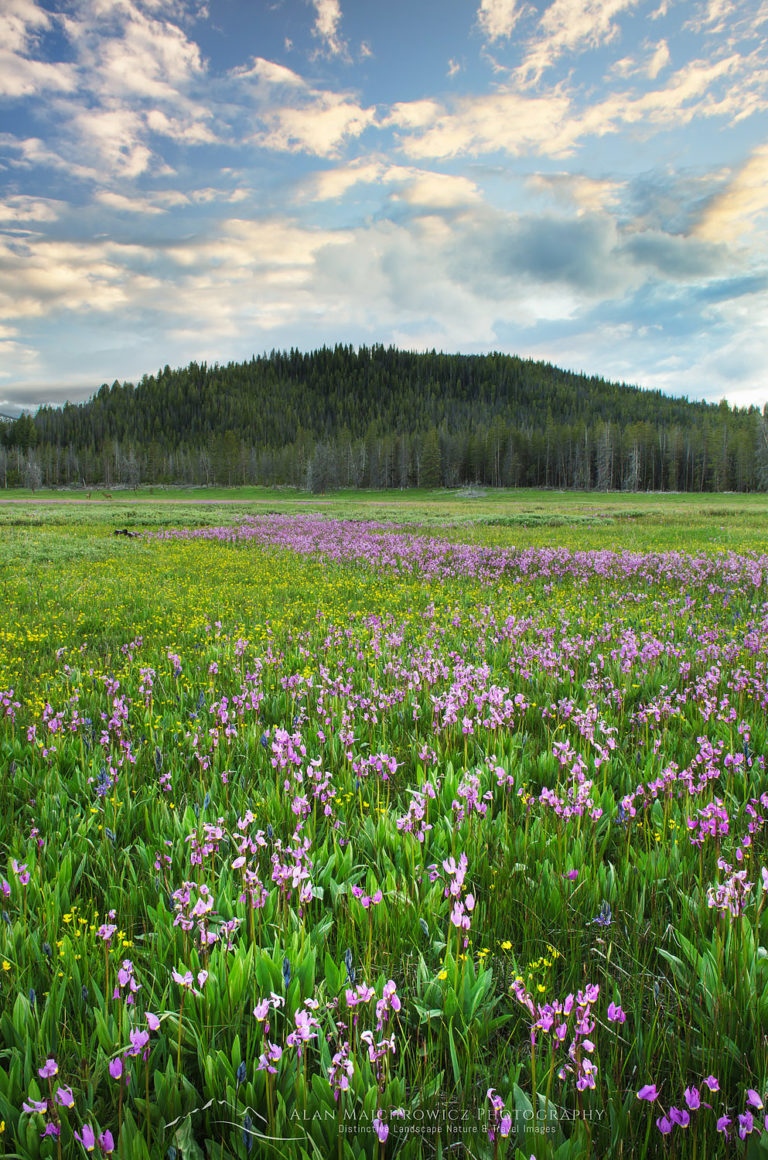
(735, 211)
(659, 60)
(570, 25)
(497, 18)
(123, 204)
(21, 22)
(326, 26)
(577, 190)
(319, 126)
(439, 190)
(416, 187)
(555, 124)
(19, 208)
(506, 120)
(269, 72)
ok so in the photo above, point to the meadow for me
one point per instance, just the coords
(362, 826)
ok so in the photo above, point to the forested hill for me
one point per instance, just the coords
(387, 418)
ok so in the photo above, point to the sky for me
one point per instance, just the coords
(579, 181)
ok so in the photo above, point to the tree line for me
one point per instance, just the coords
(385, 418)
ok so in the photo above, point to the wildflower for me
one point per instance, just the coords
(615, 1014)
(106, 1142)
(692, 1098)
(87, 1138)
(604, 917)
(139, 1041)
(31, 1106)
(648, 1092)
(664, 1125)
(116, 1068)
(49, 1069)
(269, 1057)
(380, 1128)
(64, 1097)
(261, 1010)
(746, 1124)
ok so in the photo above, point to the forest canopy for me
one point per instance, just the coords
(381, 417)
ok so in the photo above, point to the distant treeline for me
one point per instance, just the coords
(386, 418)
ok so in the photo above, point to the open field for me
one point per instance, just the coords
(372, 825)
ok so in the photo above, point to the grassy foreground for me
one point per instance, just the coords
(369, 828)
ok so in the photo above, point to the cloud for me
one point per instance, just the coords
(555, 123)
(497, 18)
(735, 210)
(21, 22)
(123, 204)
(580, 253)
(415, 187)
(628, 66)
(570, 25)
(585, 194)
(320, 125)
(326, 26)
(113, 138)
(678, 258)
(40, 277)
(659, 60)
(132, 78)
(438, 191)
(507, 120)
(270, 73)
(19, 208)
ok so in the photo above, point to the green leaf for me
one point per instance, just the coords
(185, 1142)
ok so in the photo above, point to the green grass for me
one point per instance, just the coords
(518, 680)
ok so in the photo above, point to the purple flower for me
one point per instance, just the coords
(139, 1040)
(722, 1124)
(64, 1097)
(712, 1083)
(648, 1092)
(31, 1106)
(754, 1099)
(615, 1014)
(679, 1116)
(49, 1069)
(664, 1125)
(87, 1138)
(746, 1124)
(692, 1098)
(116, 1068)
(153, 1022)
(106, 1142)
(380, 1128)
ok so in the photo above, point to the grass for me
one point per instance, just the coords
(232, 745)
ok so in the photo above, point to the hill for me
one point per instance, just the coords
(382, 417)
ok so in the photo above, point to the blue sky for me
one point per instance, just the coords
(581, 181)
